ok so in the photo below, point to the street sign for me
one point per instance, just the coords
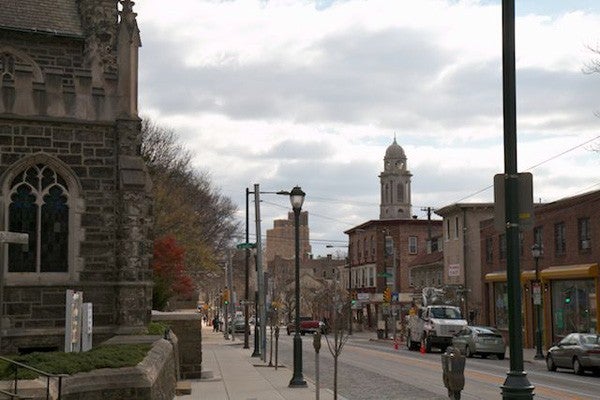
(454, 270)
(384, 275)
(395, 296)
(246, 246)
(525, 201)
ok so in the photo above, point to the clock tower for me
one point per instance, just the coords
(395, 185)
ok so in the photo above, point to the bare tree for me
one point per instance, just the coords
(336, 300)
(593, 67)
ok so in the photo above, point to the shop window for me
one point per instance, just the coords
(584, 234)
(501, 305)
(489, 250)
(502, 247)
(371, 277)
(573, 307)
(560, 240)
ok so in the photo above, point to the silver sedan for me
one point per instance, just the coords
(482, 340)
(577, 351)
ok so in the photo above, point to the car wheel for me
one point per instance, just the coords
(550, 363)
(302, 333)
(577, 368)
(468, 352)
(484, 355)
(500, 356)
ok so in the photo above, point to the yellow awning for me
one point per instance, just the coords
(501, 276)
(496, 276)
(570, 272)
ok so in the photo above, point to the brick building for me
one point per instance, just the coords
(569, 232)
(71, 172)
(462, 254)
(281, 238)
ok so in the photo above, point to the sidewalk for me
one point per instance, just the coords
(232, 374)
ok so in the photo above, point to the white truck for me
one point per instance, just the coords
(434, 323)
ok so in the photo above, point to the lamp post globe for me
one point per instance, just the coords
(297, 199)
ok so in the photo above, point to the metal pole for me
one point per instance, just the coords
(247, 281)
(256, 352)
(230, 284)
(395, 288)
(260, 277)
(350, 319)
(539, 355)
(516, 385)
(297, 378)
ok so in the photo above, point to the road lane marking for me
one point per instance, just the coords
(541, 389)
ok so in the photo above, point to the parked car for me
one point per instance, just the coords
(577, 351)
(238, 325)
(481, 340)
(307, 325)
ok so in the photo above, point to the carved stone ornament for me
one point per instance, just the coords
(99, 21)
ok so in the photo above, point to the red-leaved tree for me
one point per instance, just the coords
(170, 277)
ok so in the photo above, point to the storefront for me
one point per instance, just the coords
(569, 302)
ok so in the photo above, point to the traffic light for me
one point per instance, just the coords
(226, 296)
(387, 295)
(354, 298)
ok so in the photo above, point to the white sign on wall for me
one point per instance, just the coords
(454, 270)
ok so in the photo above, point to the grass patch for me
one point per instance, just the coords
(157, 328)
(108, 356)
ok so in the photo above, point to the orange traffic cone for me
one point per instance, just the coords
(395, 344)
(422, 349)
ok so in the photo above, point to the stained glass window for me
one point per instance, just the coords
(39, 206)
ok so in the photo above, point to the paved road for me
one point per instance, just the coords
(374, 370)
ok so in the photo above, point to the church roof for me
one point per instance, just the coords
(395, 151)
(60, 17)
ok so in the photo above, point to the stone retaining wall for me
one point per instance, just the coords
(152, 379)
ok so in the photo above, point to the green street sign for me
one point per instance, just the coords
(384, 275)
(246, 246)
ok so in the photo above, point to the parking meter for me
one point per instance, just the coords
(453, 372)
(317, 341)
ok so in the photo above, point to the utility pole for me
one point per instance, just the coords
(247, 280)
(260, 278)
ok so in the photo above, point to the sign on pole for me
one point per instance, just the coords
(525, 191)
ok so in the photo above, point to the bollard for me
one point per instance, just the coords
(317, 346)
(453, 372)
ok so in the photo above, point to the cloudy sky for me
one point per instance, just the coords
(311, 93)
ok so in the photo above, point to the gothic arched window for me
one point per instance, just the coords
(39, 206)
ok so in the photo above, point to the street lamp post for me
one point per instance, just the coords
(297, 199)
(536, 252)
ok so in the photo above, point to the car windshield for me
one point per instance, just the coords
(446, 313)
(589, 339)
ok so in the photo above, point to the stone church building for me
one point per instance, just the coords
(70, 170)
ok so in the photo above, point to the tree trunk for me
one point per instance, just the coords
(335, 373)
